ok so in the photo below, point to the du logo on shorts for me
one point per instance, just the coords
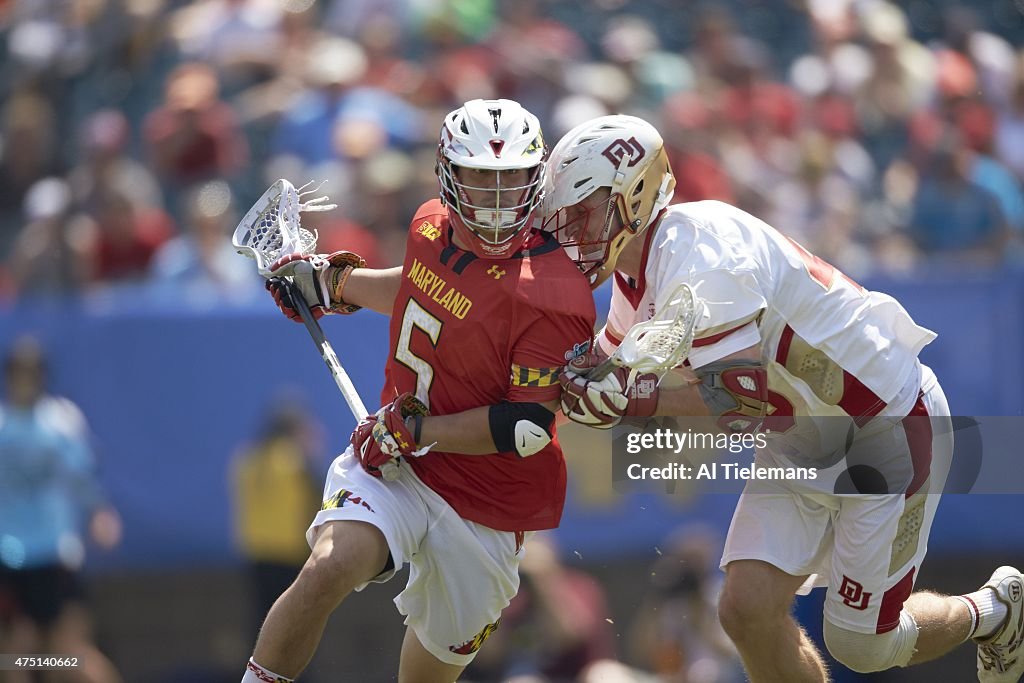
(853, 595)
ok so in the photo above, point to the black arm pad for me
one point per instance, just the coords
(522, 428)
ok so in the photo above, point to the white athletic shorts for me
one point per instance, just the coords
(462, 574)
(867, 549)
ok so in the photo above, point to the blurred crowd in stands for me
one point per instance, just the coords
(135, 133)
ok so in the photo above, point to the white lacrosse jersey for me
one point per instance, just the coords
(830, 347)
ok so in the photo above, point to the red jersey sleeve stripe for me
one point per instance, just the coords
(610, 336)
(708, 341)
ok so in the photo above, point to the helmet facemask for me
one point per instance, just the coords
(592, 232)
(496, 206)
(595, 230)
(490, 164)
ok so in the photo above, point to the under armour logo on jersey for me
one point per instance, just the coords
(622, 148)
(496, 272)
(853, 595)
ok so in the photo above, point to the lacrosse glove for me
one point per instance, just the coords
(603, 403)
(319, 278)
(389, 434)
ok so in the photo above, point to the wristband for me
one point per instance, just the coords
(338, 276)
(417, 428)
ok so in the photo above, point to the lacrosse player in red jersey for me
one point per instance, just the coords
(826, 370)
(485, 311)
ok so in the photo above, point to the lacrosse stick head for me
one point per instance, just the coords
(272, 227)
(663, 342)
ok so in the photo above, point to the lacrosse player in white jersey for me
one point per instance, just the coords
(826, 370)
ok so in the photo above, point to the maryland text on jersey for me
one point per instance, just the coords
(427, 281)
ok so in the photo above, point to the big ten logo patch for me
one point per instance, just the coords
(577, 350)
(853, 595)
(624, 148)
(429, 230)
(474, 643)
(339, 499)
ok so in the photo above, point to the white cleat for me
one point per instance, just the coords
(1001, 655)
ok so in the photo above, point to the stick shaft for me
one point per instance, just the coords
(389, 470)
(604, 369)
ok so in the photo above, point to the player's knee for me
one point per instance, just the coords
(343, 558)
(730, 614)
(870, 652)
(749, 605)
(743, 616)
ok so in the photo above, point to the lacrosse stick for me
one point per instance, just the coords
(272, 229)
(659, 344)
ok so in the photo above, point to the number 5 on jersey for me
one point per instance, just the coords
(417, 316)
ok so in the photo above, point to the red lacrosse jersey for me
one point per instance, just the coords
(469, 332)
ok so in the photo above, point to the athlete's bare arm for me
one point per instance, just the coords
(468, 432)
(374, 288)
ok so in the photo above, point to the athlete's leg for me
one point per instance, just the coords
(755, 610)
(346, 554)
(419, 666)
(873, 620)
(943, 623)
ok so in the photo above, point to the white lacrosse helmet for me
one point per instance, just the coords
(490, 161)
(624, 154)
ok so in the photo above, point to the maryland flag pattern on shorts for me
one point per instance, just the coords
(534, 377)
(473, 644)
